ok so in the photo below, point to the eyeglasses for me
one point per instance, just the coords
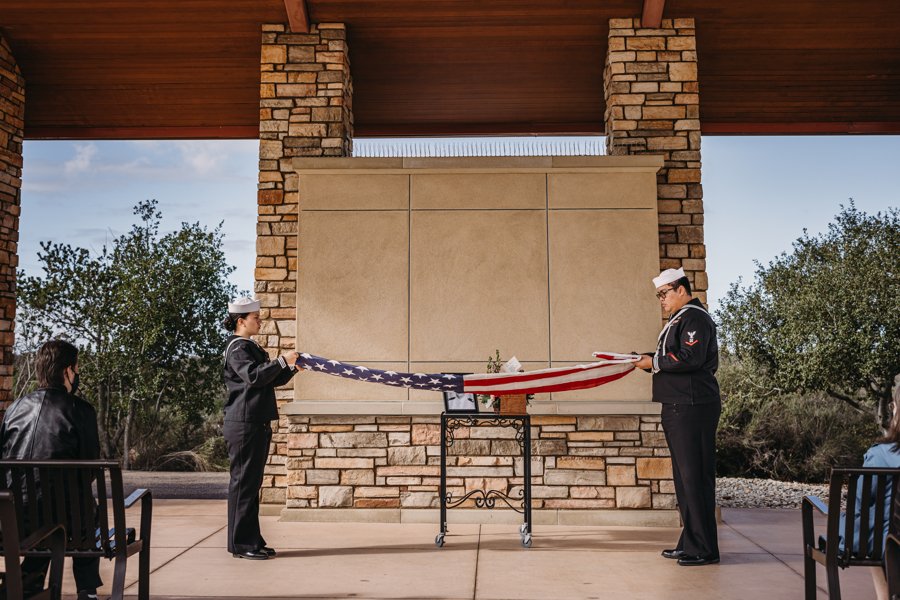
(662, 293)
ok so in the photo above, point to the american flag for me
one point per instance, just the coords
(609, 367)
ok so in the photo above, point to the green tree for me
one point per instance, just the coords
(823, 318)
(145, 313)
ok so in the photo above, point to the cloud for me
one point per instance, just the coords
(81, 163)
(41, 187)
(204, 158)
(62, 167)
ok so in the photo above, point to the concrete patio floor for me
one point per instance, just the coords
(761, 558)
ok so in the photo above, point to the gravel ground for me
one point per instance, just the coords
(735, 492)
(167, 484)
(731, 492)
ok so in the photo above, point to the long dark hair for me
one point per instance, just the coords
(892, 435)
(52, 360)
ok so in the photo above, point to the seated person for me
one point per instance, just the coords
(885, 455)
(53, 423)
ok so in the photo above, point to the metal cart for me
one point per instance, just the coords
(488, 498)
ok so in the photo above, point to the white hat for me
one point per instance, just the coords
(668, 276)
(242, 306)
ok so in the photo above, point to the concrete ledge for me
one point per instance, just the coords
(403, 408)
(342, 515)
(625, 518)
(482, 164)
(270, 509)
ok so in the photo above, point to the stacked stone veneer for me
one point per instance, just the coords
(12, 122)
(393, 462)
(305, 109)
(653, 107)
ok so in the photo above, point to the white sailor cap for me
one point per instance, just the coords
(668, 276)
(242, 306)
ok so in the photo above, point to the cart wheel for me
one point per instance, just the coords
(439, 540)
(526, 540)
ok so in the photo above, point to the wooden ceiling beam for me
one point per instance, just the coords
(410, 130)
(298, 15)
(227, 132)
(476, 129)
(652, 13)
(768, 67)
(800, 128)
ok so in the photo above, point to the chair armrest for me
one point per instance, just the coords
(892, 564)
(806, 513)
(42, 534)
(816, 503)
(136, 495)
(146, 498)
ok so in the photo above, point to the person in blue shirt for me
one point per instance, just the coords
(885, 454)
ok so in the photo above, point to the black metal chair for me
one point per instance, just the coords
(892, 566)
(51, 537)
(58, 491)
(827, 551)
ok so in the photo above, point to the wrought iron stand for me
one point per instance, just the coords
(488, 498)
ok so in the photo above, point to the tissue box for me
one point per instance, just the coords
(513, 404)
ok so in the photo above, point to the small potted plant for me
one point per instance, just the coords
(505, 404)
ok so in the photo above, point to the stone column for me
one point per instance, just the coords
(305, 109)
(12, 123)
(653, 107)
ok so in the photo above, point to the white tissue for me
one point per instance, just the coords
(511, 366)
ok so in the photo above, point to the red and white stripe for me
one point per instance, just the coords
(611, 367)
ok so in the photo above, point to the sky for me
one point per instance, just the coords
(759, 193)
(83, 193)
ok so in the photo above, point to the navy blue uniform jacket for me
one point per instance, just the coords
(687, 358)
(251, 379)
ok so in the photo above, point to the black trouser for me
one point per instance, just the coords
(248, 448)
(691, 435)
(86, 571)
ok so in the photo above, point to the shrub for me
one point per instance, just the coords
(766, 433)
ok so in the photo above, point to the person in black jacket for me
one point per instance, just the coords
(250, 379)
(684, 381)
(53, 423)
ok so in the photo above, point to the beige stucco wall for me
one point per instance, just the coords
(431, 264)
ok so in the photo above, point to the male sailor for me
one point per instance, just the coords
(684, 382)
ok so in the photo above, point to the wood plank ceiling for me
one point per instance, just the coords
(189, 68)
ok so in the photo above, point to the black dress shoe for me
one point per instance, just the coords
(268, 551)
(697, 561)
(673, 553)
(251, 555)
